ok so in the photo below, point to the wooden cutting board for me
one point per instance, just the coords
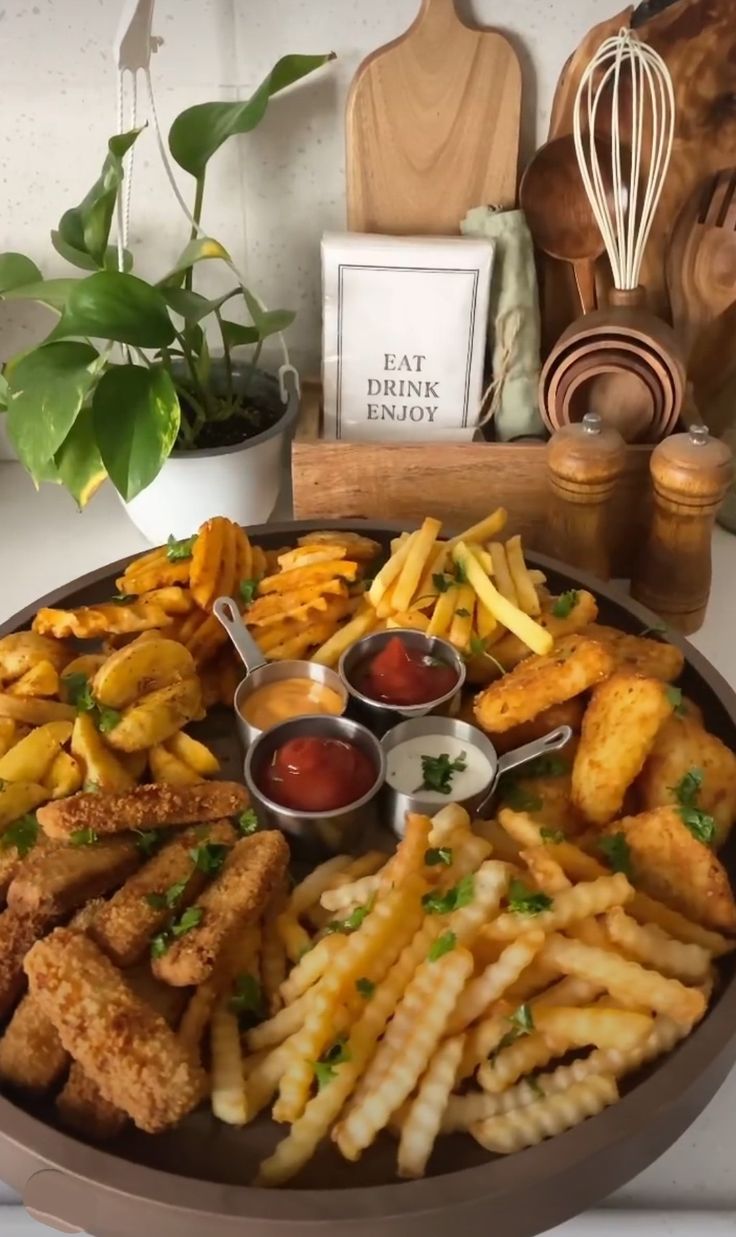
(432, 127)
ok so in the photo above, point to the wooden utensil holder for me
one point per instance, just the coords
(456, 482)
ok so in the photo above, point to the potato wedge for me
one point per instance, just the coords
(101, 768)
(35, 712)
(64, 776)
(8, 734)
(140, 668)
(165, 767)
(193, 753)
(654, 658)
(22, 650)
(573, 666)
(157, 716)
(681, 745)
(41, 680)
(30, 760)
(17, 798)
(619, 730)
(671, 865)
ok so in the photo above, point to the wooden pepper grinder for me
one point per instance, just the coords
(584, 462)
(690, 476)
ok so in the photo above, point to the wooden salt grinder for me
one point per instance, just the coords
(690, 476)
(584, 462)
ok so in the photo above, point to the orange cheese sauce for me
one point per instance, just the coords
(286, 698)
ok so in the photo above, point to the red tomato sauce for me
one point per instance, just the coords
(317, 775)
(402, 675)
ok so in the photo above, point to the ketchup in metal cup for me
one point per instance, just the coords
(317, 775)
(400, 675)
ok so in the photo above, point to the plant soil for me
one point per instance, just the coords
(235, 430)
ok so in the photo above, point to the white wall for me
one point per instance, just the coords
(270, 194)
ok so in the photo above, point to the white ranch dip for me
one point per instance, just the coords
(404, 768)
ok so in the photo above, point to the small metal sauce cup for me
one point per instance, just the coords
(317, 833)
(260, 672)
(396, 803)
(379, 715)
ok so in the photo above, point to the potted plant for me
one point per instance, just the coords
(125, 385)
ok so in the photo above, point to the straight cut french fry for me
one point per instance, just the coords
(535, 637)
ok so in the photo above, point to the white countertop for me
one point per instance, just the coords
(691, 1190)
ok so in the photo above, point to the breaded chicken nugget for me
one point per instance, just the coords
(237, 896)
(170, 881)
(82, 1108)
(123, 1046)
(654, 658)
(670, 864)
(574, 665)
(568, 713)
(55, 881)
(143, 807)
(619, 729)
(682, 745)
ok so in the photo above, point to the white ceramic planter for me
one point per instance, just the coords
(241, 482)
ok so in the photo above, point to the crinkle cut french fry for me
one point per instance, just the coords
(601, 1026)
(263, 1079)
(374, 946)
(449, 820)
(228, 1087)
(295, 939)
(312, 966)
(487, 987)
(278, 1028)
(525, 1055)
(441, 982)
(409, 856)
(356, 892)
(313, 886)
(524, 1127)
(625, 980)
(544, 870)
(653, 947)
(577, 902)
(422, 1123)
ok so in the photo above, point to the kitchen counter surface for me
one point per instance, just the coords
(691, 1190)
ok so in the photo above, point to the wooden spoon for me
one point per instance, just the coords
(560, 217)
(701, 257)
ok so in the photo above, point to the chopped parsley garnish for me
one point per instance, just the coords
(353, 920)
(84, 837)
(156, 901)
(477, 648)
(443, 945)
(437, 772)
(191, 918)
(519, 799)
(674, 695)
(107, 719)
(247, 999)
(365, 987)
(438, 855)
(549, 765)
(535, 1087)
(616, 852)
(324, 1069)
(441, 582)
(565, 603)
(22, 834)
(91, 788)
(462, 612)
(176, 550)
(169, 898)
(525, 901)
(123, 599)
(247, 822)
(657, 629)
(247, 590)
(78, 692)
(551, 835)
(522, 1023)
(701, 824)
(209, 857)
(148, 839)
(461, 894)
(459, 573)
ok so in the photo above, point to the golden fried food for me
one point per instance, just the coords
(275, 606)
(213, 540)
(18, 932)
(574, 665)
(41, 680)
(32, 1056)
(157, 716)
(143, 807)
(53, 882)
(102, 769)
(17, 798)
(682, 745)
(139, 669)
(64, 776)
(237, 896)
(508, 651)
(123, 1046)
(357, 546)
(153, 571)
(22, 650)
(35, 711)
(207, 640)
(81, 1107)
(670, 864)
(619, 730)
(567, 713)
(31, 758)
(91, 622)
(126, 924)
(654, 658)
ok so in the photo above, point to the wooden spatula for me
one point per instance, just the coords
(432, 127)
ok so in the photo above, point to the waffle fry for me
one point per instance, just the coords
(206, 564)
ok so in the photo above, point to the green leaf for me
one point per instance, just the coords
(177, 550)
(365, 988)
(519, 799)
(247, 590)
(548, 765)
(199, 131)
(160, 944)
(156, 901)
(22, 834)
(701, 824)
(148, 839)
(336, 1054)
(616, 852)
(247, 822)
(191, 305)
(114, 305)
(522, 1020)
(52, 292)
(551, 835)
(79, 692)
(86, 228)
(461, 894)
(674, 695)
(443, 945)
(437, 772)
(48, 387)
(83, 837)
(267, 321)
(565, 603)
(247, 996)
(107, 719)
(238, 336)
(16, 270)
(84, 262)
(198, 250)
(525, 901)
(209, 857)
(190, 919)
(353, 920)
(441, 582)
(687, 789)
(136, 419)
(437, 855)
(78, 461)
(4, 393)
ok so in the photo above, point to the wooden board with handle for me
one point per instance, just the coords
(432, 127)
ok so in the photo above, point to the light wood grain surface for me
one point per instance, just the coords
(432, 127)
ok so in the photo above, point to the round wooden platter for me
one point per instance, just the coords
(192, 1181)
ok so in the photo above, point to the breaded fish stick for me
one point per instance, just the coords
(17, 933)
(143, 807)
(54, 882)
(11, 862)
(123, 1046)
(82, 1108)
(126, 924)
(234, 899)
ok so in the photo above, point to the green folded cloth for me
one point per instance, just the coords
(513, 323)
